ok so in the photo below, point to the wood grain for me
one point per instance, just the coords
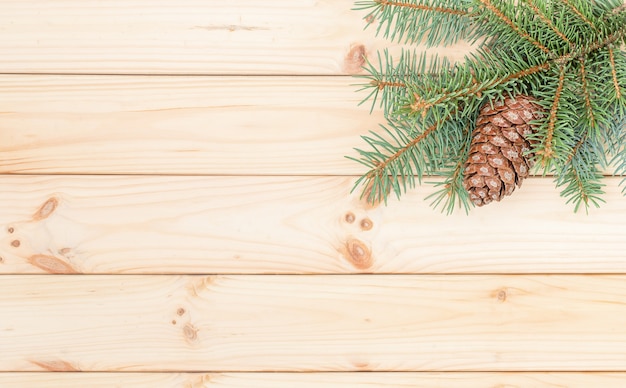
(312, 380)
(313, 323)
(181, 125)
(188, 37)
(133, 224)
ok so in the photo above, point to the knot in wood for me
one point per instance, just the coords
(355, 59)
(358, 254)
(501, 295)
(190, 332)
(366, 224)
(46, 209)
(52, 264)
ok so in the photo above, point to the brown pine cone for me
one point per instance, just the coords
(498, 157)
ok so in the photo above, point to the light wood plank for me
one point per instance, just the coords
(181, 125)
(188, 37)
(132, 224)
(312, 380)
(313, 323)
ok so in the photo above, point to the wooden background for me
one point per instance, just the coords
(175, 211)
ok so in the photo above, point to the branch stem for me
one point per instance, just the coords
(548, 151)
(587, 94)
(618, 91)
(377, 171)
(386, 84)
(475, 90)
(576, 148)
(421, 7)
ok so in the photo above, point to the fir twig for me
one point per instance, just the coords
(548, 22)
(433, 21)
(581, 177)
(547, 152)
(421, 105)
(583, 190)
(491, 7)
(574, 151)
(452, 192)
(588, 49)
(618, 92)
(376, 191)
(586, 95)
(578, 13)
(421, 7)
(565, 55)
(387, 84)
(412, 143)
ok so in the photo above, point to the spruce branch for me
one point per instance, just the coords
(593, 46)
(585, 89)
(420, 84)
(544, 18)
(579, 14)
(499, 14)
(380, 85)
(437, 22)
(421, 7)
(451, 193)
(565, 55)
(547, 152)
(394, 168)
(581, 177)
(582, 190)
(616, 85)
(574, 151)
(471, 88)
(387, 85)
(618, 149)
(397, 84)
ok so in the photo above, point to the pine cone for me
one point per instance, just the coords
(498, 158)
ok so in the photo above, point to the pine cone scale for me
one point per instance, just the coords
(490, 129)
(513, 117)
(496, 161)
(513, 136)
(478, 158)
(500, 121)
